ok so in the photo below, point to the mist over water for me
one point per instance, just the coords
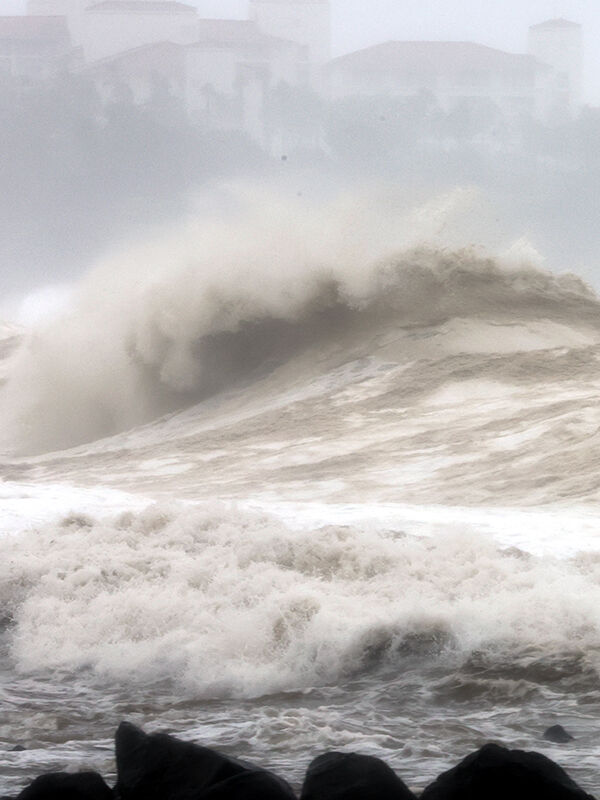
(299, 388)
(397, 406)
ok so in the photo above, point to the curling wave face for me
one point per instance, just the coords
(211, 306)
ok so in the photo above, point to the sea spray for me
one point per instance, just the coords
(207, 305)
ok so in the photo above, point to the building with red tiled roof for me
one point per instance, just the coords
(33, 48)
(222, 78)
(451, 72)
(428, 57)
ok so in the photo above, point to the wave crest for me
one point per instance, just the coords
(210, 305)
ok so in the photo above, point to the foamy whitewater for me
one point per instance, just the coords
(305, 479)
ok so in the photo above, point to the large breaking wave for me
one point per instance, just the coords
(211, 304)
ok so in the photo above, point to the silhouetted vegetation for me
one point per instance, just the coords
(79, 173)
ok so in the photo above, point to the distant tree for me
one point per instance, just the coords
(380, 131)
(76, 173)
(294, 115)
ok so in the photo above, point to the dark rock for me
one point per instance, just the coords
(496, 773)
(254, 784)
(18, 748)
(349, 776)
(558, 734)
(64, 786)
(160, 767)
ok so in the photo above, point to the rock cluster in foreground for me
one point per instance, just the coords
(160, 767)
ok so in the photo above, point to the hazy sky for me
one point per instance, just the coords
(501, 24)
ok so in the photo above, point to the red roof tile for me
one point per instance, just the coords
(417, 56)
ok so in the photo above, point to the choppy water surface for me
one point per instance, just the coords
(351, 503)
(421, 717)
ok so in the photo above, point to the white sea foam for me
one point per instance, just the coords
(231, 602)
(409, 430)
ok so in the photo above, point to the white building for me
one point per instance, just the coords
(231, 69)
(306, 22)
(34, 48)
(227, 73)
(224, 71)
(452, 73)
(559, 44)
(223, 77)
(72, 10)
(107, 27)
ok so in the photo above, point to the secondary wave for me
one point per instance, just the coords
(230, 602)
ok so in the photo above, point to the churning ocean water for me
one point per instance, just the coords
(304, 481)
